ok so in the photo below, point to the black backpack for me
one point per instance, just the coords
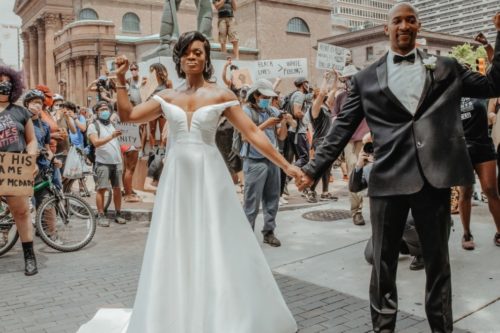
(238, 141)
(91, 150)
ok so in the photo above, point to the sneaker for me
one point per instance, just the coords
(285, 191)
(358, 219)
(119, 218)
(311, 197)
(497, 239)
(304, 193)
(270, 239)
(468, 242)
(417, 263)
(56, 239)
(102, 220)
(283, 201)
(327, 196)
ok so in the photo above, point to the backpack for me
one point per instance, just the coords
(91, 147)
(286, 106)
(238, 141)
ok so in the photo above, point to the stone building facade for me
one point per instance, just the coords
(67, 42)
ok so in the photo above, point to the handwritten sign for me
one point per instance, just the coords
(16, 174)
(331, 57)
(270, 69)
(242, 77)
(130, 134)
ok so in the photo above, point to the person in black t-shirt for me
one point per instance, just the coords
(483, 157)
(17, 136)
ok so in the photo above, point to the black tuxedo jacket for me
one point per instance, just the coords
(410, 149)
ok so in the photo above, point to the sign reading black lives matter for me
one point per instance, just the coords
(283, 68)
(331, 57)
(16, 174)
(130, 134)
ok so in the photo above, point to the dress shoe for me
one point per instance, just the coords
(270, 239)
(417, 263)
(358, 219)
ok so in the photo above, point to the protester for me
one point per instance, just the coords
(262, 177)
(18, 136)
(164, 82)
(411, 116)
(227, 25)
(108, 161)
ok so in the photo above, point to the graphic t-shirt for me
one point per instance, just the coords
(12, 122)
(474, 116)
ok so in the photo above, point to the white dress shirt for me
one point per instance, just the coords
(406, 80)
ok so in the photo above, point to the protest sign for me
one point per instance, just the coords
(283, 68)
(130, 134)
(150, 86)
(331, 57)
(241, 77)
(16, 174)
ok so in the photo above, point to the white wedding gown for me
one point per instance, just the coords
(203, 269)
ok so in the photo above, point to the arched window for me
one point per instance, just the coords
(297, 24)
(131, 23)
(88, 14)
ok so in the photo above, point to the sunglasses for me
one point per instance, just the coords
(134, 69)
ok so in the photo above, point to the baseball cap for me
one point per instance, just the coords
(300, 80)
(264, 87)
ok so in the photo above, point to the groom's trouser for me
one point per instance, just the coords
(430, 208)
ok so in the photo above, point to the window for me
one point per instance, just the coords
(298, 25)
(438, 52)
(369, 53)
(88, 14)
(131, 23)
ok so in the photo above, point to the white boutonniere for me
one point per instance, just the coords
(430, 63)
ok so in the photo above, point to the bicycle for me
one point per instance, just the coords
(83, 190)
(61, 219)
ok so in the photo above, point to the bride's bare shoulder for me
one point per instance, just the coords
(223, 94)
(168, 94)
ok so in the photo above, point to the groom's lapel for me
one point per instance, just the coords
(428, 82)
(383, 82)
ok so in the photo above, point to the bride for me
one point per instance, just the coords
(203, 270)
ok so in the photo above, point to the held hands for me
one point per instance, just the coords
(303, 181)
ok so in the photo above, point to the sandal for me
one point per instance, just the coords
(132, 198)
(497, 239)
(468, 242)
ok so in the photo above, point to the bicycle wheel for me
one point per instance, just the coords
(70, 187)
(8, 232)
(65, 225)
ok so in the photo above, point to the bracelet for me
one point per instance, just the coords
(118, 86)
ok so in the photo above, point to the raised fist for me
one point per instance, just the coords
(121, 65)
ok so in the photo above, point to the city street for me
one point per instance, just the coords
(320, 269)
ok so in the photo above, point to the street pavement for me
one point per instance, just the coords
(320, 269)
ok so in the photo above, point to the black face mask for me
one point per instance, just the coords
(5, 88)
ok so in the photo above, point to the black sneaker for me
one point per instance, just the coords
(497, 239)
(270, 239)
(311, 197)
(119, 218)
(358, 219)
(417, 263)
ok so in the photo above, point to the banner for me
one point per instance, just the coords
(331, 57)
(283, 68)
(16, 174)
(130, 134)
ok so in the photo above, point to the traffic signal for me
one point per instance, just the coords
(481, 65)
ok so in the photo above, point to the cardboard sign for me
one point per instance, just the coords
(130, 134)
(16, 174)
(150, 86)
(283, 68)
(241, 77)
(331, 57)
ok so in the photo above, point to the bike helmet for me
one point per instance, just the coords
(31, 95)
(57, 97)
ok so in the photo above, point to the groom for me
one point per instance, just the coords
(412, 105)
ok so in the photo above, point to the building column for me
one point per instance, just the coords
(41, 53)
(91, 76)
(26, 58)
(80, 88)
(51, 23)
(33, 47)
(63, 78)
(72, 81)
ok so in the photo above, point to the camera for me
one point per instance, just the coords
(368, 148)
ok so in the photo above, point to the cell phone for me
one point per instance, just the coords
(281, 115)
(368, 148)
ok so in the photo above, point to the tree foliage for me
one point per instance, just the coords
(467, 54)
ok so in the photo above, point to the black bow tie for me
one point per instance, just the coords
(399, 59)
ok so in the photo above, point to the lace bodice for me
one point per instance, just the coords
(195, 127)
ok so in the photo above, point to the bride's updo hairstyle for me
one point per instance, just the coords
(180, 48)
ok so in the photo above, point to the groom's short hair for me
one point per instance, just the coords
(406, 4)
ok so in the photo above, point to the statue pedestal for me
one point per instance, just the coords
(163, 50)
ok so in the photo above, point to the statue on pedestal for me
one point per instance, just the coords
(169, 30)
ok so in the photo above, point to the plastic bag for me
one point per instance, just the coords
(74, 164)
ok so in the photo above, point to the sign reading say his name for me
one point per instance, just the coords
(270, 69)
(130, 134)
(331, 57)
(16, 174)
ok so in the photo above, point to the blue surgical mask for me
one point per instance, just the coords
(104, 115)
(264, 103)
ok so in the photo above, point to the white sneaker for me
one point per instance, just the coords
(283, 201)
